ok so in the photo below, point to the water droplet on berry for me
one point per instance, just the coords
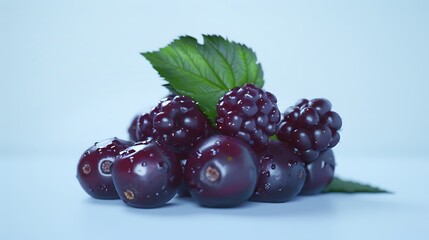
(301, 174)
(91, 189)
(163, 166)
(273, 166)
(144, 164)
(266, 173)
(197, 154)
(280, 189)
(104, 188)
(214, 151)
(323, 164)
(267, 186)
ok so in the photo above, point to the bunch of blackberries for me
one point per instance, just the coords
(175, 149)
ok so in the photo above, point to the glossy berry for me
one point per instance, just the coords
(146, 175)
(319, 173)
(176, 122)
(248, 113)
(310, 127)
(281, 176)
(221, 172)
(132, 129)
(94, 168)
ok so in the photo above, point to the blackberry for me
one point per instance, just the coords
(310, 127)
(248, 113)
(175, 122)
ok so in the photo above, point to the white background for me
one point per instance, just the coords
(71, 74)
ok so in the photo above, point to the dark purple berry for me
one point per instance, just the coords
(248, 113)
(308, 155)
(146, 175)
(332, 120)
(281, 176)
(308, 117)
(301, 139)
(310, 127)
(320, 173)
(321, 137)
(291, 114)
(302, 103)
(94, 168)
(132, 130)
(321, 105)
(221, 172)
(334, 140)
(176, 122)
(144, 129)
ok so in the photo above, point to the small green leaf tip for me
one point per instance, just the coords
(343, 186)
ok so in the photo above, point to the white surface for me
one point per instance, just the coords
(41, 199)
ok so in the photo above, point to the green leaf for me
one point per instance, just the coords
(342, 186)
(205, 72)
(274, 138)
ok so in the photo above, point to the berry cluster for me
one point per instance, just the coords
(248, 113)
(175, 122)
(310, 127)
(175, 150)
